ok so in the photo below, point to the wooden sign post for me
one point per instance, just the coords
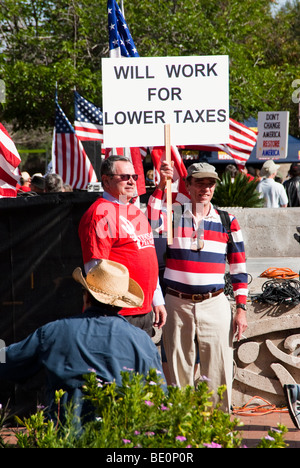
(169, 185)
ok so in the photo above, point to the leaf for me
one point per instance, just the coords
(237, 193)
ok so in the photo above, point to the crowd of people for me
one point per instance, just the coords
(39, 184)
(275, 192)
(123, 300)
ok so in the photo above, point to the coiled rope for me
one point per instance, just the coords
(280, 292)
(257, 410)
(273, 272)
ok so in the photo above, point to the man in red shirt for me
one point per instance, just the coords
(24, 182)
(115, 229)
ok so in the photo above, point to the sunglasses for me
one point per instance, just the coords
(125, 177)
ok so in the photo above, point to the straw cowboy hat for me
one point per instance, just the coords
(109, 283)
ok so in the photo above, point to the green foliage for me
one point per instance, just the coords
(274, 439)
(139, 414)
(4, 416)
(239, 192)
(44, 43)
(63, 41)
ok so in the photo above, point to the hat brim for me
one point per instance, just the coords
(133, 298)
(204, 175)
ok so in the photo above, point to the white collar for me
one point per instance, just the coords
(107, 196)
(212, 214)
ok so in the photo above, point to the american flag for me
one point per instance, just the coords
(158, 155)
(88, 119)
(69, 158)
(121, 45)
(242, 140)
(120, 41)
(9, 165)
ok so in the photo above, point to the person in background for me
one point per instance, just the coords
(292, 185)
(98, 340)
(150, 178)
(272, 192)
(37, 184)
(68, 188)
(232, 169)
(24, 182)
(53, 183)
(244, 170)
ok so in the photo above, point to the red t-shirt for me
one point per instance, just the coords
(123, 234)
(23, 188)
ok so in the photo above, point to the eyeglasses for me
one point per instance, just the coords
(125, 177)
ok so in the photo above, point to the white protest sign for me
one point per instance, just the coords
(141, 95)
(273, 132)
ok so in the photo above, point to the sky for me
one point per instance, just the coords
(280, 3)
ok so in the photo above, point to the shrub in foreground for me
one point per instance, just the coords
(139, 414)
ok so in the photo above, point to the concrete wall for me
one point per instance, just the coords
(269, 237)
(268, 355)
(269, 232)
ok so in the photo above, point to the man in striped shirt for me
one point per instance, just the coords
(199, 314)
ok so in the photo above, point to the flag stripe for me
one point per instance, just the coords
(88, 122)
(69, 158)
(78, 174)
(7, 178)
(241, 128)
(8, 149)
(9, 165)
(89, 132)
(241, 143)
(158, 155)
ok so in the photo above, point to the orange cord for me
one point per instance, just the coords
(285, 273)
(258, 410)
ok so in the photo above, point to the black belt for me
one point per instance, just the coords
(193, 297)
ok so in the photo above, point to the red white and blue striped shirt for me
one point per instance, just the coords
(200, 271)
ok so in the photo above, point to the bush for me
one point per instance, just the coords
(140, 415)
(240, 192)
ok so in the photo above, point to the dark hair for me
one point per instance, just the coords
(107, 166)
(105, 309)
(232, 169)
(91, 298)
(38, 182)
(294, 170)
